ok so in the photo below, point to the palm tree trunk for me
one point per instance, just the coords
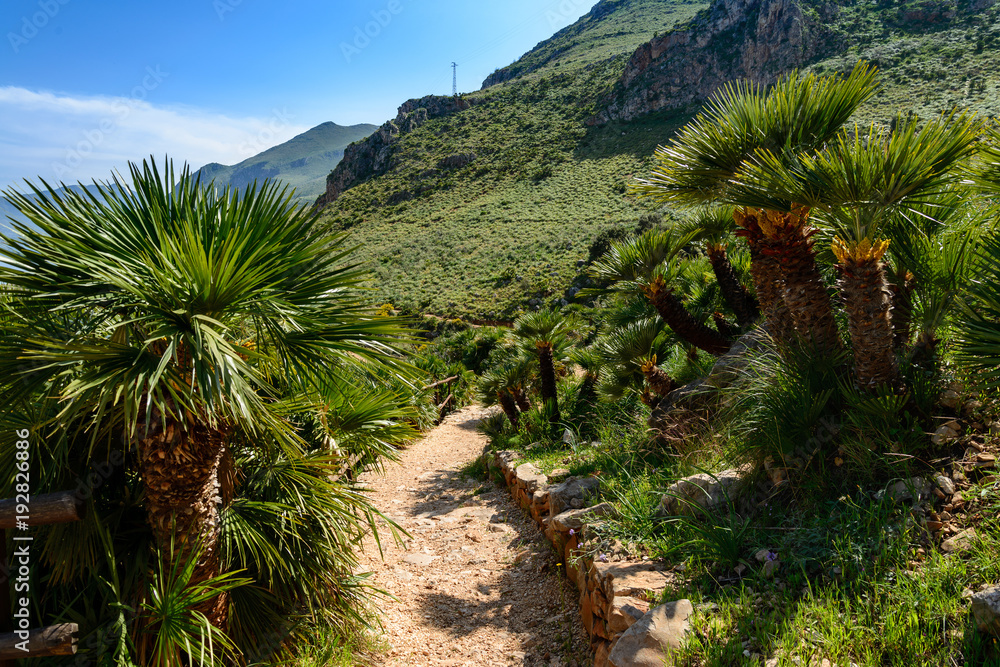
(767, 279)
(506, 401)
(547, 375)
(736, 295)
(680, 320)
(180, 472)
(787, 238)
(868, 302)
(724, 327)
(659, 382)
(522, 400)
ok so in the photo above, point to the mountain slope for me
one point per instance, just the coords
(492, 206)
(303, 162)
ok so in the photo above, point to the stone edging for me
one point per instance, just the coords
(614, 596)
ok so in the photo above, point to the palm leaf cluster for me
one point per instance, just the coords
(200, 365)
(796, 176)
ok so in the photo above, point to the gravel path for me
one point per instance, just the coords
(477, 584)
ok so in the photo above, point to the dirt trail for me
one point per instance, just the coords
(477, 584)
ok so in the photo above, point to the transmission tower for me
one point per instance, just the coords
(454, 79)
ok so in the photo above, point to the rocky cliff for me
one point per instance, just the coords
(732, 39)
(373, 156)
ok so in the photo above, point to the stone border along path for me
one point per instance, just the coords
(477, 584)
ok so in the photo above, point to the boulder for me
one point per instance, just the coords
(650, 640)
(986, 610)
(706, 491)
(572, 494)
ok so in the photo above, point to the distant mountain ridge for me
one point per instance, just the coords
(303, 162)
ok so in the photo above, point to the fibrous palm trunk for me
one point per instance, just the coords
(736, 295)
(547, 375)
(659, 382)
(680, 320)
(787, 237)
(506, 401)
(868, 302)
(767, 279)
(180, 471)
(725, 327)
(522, 399)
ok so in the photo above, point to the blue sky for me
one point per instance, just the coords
(86, 86)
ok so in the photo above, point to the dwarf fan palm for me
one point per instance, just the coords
(626, 351)
(713, 225)
(853, 185)
(145, 308)
(544, 334)
(504, 383)
(644, 264)
(800, 113)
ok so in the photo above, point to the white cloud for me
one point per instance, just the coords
(69, 138)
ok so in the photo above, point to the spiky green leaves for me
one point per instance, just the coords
(800, 112)
(164, 278)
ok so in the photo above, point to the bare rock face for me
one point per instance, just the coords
(648, 642)
(732, 39)
(986, 610)
(373, 156)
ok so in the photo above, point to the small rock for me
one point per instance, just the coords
(771, 568)
(950, 399)
(960, 542)
(969, 408)
(762, 555)
(530, 477)
(945, 484)
(420, 560)
(558, 475)
(995, 429)
(986, 610)
(568, 438)
(916, 489)
(624, 612)
(704, 490)
(562, 496)
(944, 435)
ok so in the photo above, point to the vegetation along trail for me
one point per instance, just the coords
(476, 584)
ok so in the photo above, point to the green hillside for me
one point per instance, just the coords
(513, 228)
(302, 162)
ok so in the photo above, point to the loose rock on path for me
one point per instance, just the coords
(476, 584)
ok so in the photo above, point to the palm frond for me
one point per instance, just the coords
(800, 112)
